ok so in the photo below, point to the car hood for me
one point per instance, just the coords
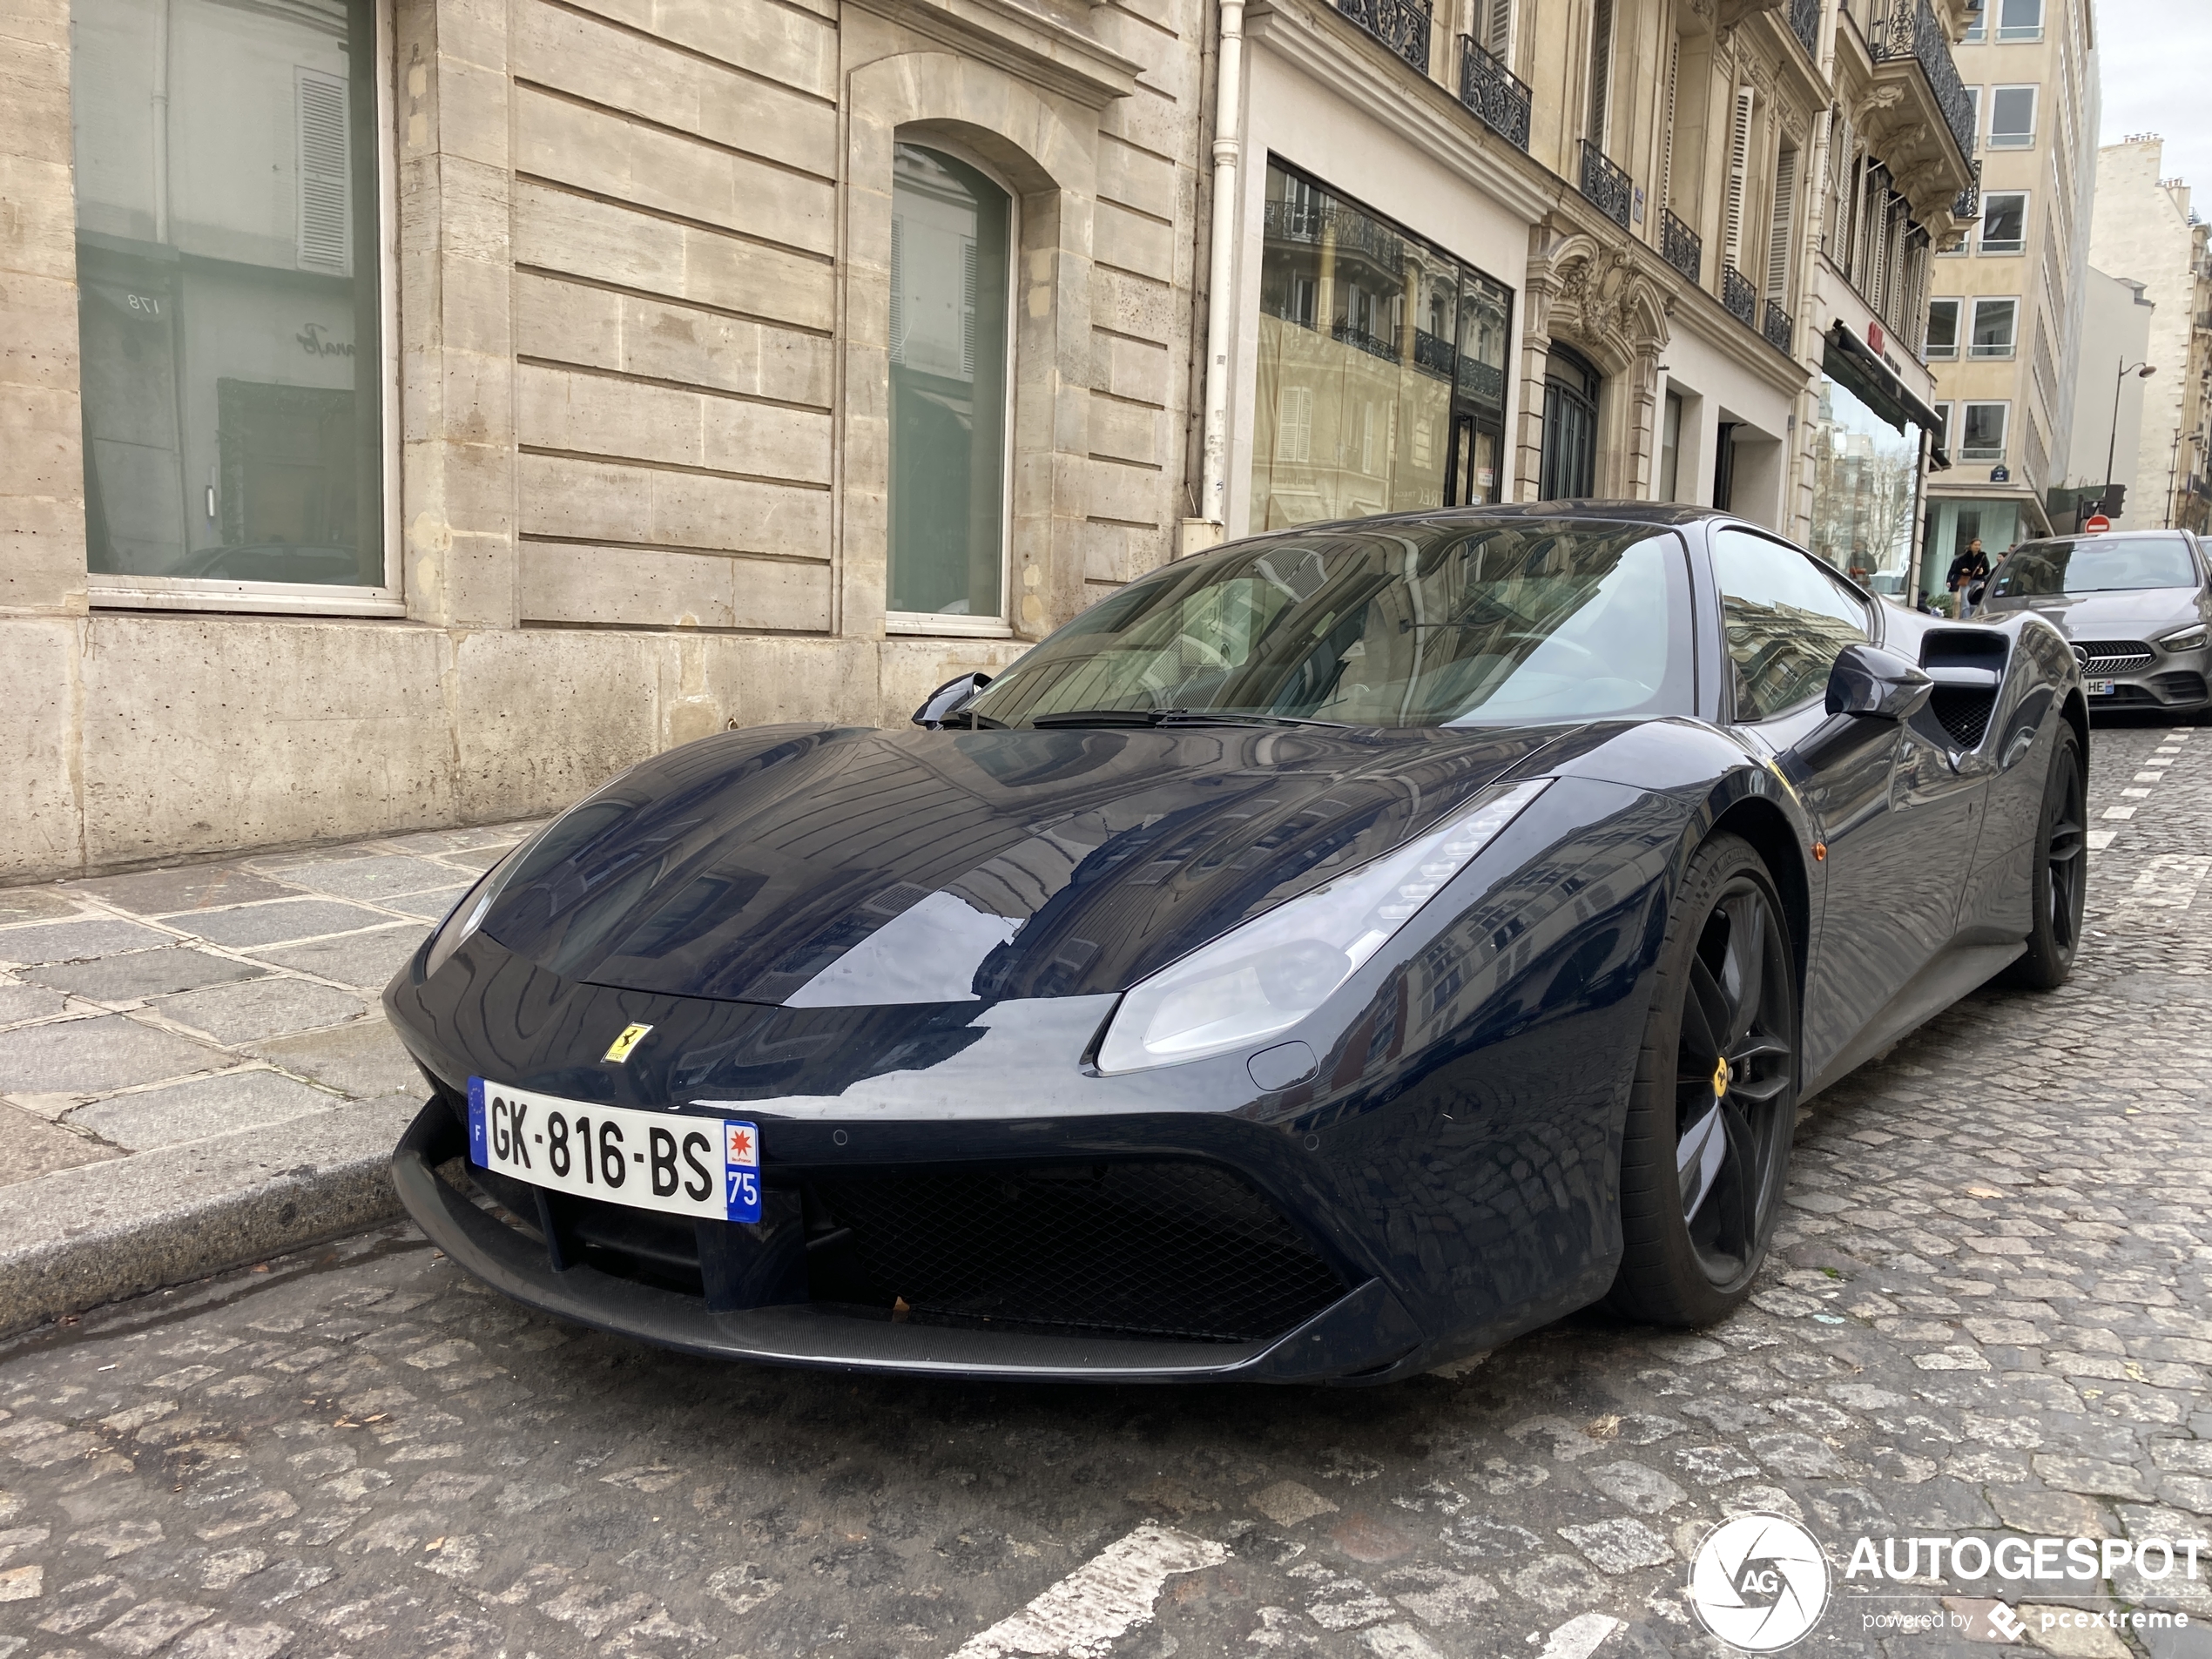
(836, 866)
(2131, 613)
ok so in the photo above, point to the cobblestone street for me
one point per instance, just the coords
(1990, 1311)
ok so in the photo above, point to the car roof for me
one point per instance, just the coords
(1598, 511)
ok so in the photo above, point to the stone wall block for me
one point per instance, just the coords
(771, 41)
(550, 716)
(41, 823)
(204, 734)
(1127, 431)
(613, 67)
(472, 111)
(38, 347)
(1135, 242)
(37, 216)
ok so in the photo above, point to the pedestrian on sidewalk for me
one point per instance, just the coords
(1968, 571)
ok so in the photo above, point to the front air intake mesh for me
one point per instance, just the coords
(1155, 1250)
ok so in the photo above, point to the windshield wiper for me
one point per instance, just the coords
(1173, 717)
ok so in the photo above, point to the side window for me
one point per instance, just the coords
(1786, 619)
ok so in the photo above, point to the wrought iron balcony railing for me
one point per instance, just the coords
(1402, 25)
(1967, 208)
(1681, 246)
(1294, 221)
(1908, 29)
(1804, 24)
(1739, 296)
(1434, 354)
(1609, 189)
(1359, 340)
(1780, 328)
(1497, 98)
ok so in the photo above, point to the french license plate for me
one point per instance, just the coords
(678, 1164)
(2099, 688)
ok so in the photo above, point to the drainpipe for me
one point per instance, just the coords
(161, 123)
(1213, 489)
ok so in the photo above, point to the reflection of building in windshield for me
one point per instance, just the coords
(1783, 653)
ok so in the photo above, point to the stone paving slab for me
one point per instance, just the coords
(147, 1018)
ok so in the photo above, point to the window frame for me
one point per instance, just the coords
(1965, 409)
(1928, 352)
(1974, 353)
(1731, 715)
(2022, 31)
(1943, 410)
(123, 591)
(1992, 140)
(999, 625)
(2002, 250)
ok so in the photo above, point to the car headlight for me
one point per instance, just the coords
(1268, 974)
(469, 915)
(2187, 639)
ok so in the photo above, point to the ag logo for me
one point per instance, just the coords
(1759, 1582)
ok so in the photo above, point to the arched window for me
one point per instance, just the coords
(1569, 470)
(951, 232)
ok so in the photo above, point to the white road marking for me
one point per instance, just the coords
(2099, 840)
(2137, 794)
(2168, 882)
(1581, 1636)
(1087, 1612)
(2150, 777)
(2119, 811)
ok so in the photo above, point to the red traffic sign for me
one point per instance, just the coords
(2095, 522)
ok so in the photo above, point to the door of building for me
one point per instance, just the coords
(1570, 465)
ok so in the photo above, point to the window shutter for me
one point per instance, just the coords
(1498, 31)
(1600, 69)
(968, 308)
(898, 289)
(1785, 208)
(1739, 162)
(1666, 130)
(319, 107)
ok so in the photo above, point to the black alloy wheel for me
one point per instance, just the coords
(1714, 1104)
(2060, 878)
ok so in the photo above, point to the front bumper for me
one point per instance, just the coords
(1365, 1335)
(2177, 680)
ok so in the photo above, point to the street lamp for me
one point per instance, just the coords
(2142, 371)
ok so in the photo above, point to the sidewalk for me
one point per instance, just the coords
(195, 1065)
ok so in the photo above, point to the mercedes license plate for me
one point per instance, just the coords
(2099, 688)
(676, 1164)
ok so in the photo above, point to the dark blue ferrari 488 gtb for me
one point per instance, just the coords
(1322, 959)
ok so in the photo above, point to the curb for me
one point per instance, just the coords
(78, 1237)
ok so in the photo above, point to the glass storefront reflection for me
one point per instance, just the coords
(1381, 372)
(228, 310)
(1864, 477)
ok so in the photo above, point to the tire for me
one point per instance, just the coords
(1706, 1152)
(2059, 883)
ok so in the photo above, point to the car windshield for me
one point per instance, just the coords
(1417, 623)
(2094, 564)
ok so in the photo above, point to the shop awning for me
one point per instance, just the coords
(1848, 360)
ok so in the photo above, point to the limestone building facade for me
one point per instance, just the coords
(416, 411)
(2005, 321)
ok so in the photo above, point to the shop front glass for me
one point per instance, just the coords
(227, 279)
(1863, 476)
(1381, 382)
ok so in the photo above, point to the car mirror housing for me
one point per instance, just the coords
(1876, 684)
(949, 699)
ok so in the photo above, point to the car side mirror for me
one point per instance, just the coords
(949, 699)
(1876, 684)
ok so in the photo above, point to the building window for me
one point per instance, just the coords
(1981, 437)
(1381, 366)
(1994, 322)
(952, 231)
(1943, 328)
(230, 306)
(1671, 449)
(2012, 118)
(2003, 221)
(1943, 424)
(1865, 472)
(2019, 20)
(1977, 26)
